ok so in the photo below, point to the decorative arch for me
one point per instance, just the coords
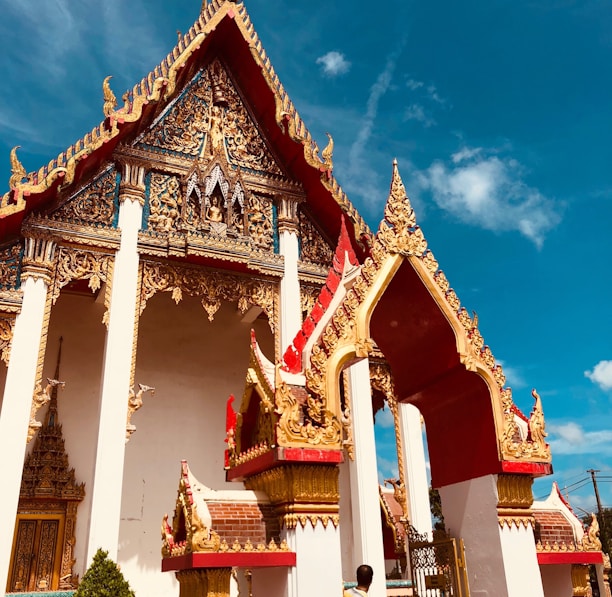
(403, 303)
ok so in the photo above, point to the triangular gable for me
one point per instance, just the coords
(209, 120)
(229, 25)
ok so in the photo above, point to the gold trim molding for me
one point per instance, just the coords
(301, 493)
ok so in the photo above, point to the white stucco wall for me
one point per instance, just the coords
(557, 580)
(78, 319)
(194, 365)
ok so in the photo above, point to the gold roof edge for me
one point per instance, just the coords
(160, 82)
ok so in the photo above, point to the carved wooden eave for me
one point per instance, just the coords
(403, 276)
(228, 24)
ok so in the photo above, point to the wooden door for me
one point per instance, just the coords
(36, 557)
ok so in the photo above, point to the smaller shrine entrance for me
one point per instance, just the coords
(37, 552)
(44, 537)
(438, 566)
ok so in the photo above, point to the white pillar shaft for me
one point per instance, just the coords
(319, 565)
(415, 468)
(521, 562)
(365, 497)
(108, 476)
(291, 310)
(16, 405)
(500, 561)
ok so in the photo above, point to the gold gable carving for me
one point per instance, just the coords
(92, 204)
(313, 247)
(211, 202)
(209, 119)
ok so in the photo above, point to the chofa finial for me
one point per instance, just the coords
(110, 101)
(18, 172)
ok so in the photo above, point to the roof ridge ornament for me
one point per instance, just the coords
(110, 101)
(18, 172)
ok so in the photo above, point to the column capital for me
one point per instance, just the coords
(39, 255)
(287, 213)
(132, 185)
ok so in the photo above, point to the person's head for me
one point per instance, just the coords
(364, 576)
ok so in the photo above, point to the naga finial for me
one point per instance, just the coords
(537, 426)
(110, 101)
(18, 172)
(327, 153)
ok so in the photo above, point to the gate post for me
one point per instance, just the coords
(491, 515)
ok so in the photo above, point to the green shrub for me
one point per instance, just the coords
(103, 579)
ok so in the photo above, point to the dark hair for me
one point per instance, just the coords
(364, 575)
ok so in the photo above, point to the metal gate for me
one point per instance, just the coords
(438, 567)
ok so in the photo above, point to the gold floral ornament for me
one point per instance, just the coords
(534, 446)
(304, 424)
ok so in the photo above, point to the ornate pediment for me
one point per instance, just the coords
(95, 203)
(314, 247)
(210, 121)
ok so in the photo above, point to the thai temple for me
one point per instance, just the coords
(197, 331)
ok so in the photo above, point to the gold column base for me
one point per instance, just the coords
(204, 582)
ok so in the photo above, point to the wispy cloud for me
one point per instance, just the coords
(334, 64)
(362, 179)
(514, 377)
(571, 438)
(601, 375)
(488, 190)
(413, 84)
(417, 112)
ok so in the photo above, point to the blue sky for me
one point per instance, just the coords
(497, 112)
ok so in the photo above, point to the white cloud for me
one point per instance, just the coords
(384, 418)
(571, 438)
(601, 375)
(413, 84)
(334, 64)
(434, 95)
(489, 191)
(417, 112)
(572, 433)
(465, 153)
(513, 376)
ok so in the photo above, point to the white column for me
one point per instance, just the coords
(501, 562)
(290, 307)
(116, 372)
(415, 468)
(319, 566)
(363, 471)
(20, 384)
(521, 561)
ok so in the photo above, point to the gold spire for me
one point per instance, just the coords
(18, 172)
(110, 101)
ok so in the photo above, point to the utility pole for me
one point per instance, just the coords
(604, 534)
